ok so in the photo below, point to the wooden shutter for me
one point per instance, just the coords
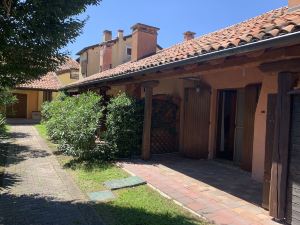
(196, 122)
(293, 189)
(251, 98)
(270, 127)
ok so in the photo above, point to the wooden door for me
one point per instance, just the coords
(293, 188)
(270, 127)
(239, 126)
(196, 122)
(251, 99)
(19, 109)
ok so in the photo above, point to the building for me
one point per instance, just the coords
(234, 94)
(106, 55)
(32, 95)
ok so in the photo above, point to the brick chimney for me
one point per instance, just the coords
(189, 35)
(107, 35)
(144, 41)
(294, 5)
(120, 34)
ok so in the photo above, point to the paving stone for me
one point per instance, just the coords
(101, 196)
(36, 190)
(210, 189)
(124, 183)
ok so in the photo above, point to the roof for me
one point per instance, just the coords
(68, 65)
(47, 82)
(107, 42)
(269, 25)
(102, 43)
(50, 81)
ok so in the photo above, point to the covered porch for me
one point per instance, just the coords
(219, 192)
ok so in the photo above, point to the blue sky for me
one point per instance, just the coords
(173, 17)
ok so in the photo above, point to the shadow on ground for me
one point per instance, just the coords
(35, 210)
(222, 176)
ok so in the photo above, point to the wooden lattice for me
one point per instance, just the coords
(164, 130)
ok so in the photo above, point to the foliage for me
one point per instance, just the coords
(72, 122)
(32, 34)
(124, 125)
(6, 97)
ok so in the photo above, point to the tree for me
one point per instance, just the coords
(32, 34)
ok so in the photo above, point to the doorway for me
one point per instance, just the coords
(231, 125)
(19, 109)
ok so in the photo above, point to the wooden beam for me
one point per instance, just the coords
(279, 172)
(291, 65)
(147, 118)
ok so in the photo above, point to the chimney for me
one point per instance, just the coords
(144, 41)
(189, 35)
(294, 5)
(107, 35)
(120, 34)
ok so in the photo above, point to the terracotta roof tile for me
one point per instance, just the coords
(69, 64)
(271, 24)
(47, 82)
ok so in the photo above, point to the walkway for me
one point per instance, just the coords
(36, 190)
(218, 192)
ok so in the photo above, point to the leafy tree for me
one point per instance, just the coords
(32, 34)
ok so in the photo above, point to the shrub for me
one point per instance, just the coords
(2, 125)
(72, 122)
(124, 124)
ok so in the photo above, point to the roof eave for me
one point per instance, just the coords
(285, 40)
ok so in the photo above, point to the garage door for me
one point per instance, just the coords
(293, 191)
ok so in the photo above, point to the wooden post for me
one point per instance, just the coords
(147, 118)
(279, 172)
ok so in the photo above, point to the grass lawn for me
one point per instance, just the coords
(133, 206)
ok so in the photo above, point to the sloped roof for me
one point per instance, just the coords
(271, 24)
(68, 65)
(49, 81)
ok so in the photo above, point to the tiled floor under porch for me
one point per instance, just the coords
(219, 192)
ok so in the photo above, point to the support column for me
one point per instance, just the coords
(279, 173)
(147, 118)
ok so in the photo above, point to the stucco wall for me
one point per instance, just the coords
(65, 78)
(269, 86)
(119, 55)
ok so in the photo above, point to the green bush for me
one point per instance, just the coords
(72, 122)
(2, 125)
(124, 124)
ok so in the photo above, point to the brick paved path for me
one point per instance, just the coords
(36, 190)
(220, 193)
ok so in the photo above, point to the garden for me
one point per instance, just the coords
(88, 138)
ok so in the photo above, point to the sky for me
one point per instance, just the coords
(173, 17)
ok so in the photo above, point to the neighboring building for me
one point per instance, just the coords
(106, 55)
(233, 95)
(32, 95)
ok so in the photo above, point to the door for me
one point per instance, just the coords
(293, 189)
(226, 124)
(239, 126)
(270, 127)
(196, 122)
(19, 109)
(251, 98)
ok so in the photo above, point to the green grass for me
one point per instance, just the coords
(133, 206)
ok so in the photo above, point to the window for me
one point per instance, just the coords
(47, 96)
(74, 74)
(128, 50)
